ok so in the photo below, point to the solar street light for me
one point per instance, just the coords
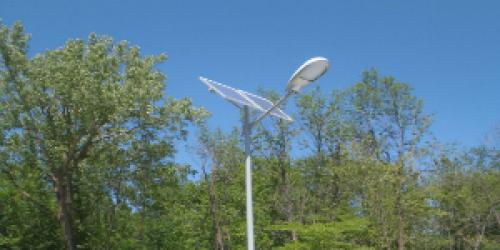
(310, 71)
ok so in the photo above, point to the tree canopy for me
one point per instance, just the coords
(89, 134)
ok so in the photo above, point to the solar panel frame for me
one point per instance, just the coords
(242, 98)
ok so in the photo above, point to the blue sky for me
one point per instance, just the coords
(449, 51)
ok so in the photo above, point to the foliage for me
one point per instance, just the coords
(87, 128)
(346, 232)
(88, 139)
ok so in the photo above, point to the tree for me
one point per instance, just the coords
(273, 143)
(220, 153)
(321, 121)
(466, 191)
(390, 126)
(65, 108)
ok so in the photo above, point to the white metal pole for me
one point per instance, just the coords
(248, 179)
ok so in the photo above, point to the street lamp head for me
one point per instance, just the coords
(309, 72)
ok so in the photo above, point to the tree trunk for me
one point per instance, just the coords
(401, 239)
(63, 193)
(399, 205)
(479, 238)
(219, 239)
(497, 217)
(288, 200)
(388, 242)
(399, 208)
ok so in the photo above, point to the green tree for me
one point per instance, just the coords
(65, 109)
(273, 142)
(390, 127)
(322, 122)
(466, 190)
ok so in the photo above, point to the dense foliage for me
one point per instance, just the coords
(86, 162)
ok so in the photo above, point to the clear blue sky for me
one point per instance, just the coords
(449, 51)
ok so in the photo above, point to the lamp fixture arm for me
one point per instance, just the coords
(278, 103)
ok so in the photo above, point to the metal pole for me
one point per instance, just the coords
(248, 178)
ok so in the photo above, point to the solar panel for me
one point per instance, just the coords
(242, 98)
